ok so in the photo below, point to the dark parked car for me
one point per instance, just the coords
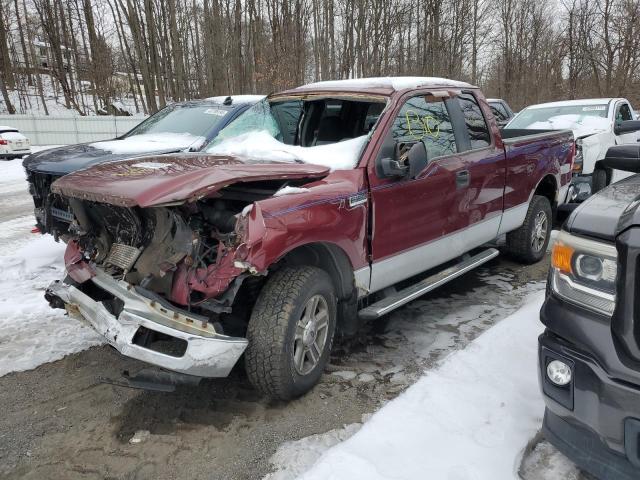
(501, 110)
(589, 354)
(185, 126)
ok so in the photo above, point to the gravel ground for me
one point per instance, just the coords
(62, 420)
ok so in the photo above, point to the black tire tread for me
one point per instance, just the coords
(598, 180)
(518, 241)
(267, 329)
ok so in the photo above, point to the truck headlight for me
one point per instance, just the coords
(578, 159)
(584, 272)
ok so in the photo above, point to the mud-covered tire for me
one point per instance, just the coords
(598, 180)
(275, 333)
(525, 244)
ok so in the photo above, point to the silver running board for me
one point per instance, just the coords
(403, 297)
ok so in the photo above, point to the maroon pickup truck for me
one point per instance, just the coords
(319, 208)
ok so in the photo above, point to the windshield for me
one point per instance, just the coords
(194, 119)
(258, 118)
(564, 116)
(301, 131)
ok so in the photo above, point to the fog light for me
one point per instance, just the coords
(559, 373)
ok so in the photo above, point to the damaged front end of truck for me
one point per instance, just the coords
(164, 253)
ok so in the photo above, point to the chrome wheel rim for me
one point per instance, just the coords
(539, 236)
(311, 335)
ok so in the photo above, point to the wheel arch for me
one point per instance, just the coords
(333, 260)
(330, 258)
(548, 188)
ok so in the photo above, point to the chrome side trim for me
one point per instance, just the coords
(392, 302)
(399, 267)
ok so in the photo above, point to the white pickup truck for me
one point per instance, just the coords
(597, 124)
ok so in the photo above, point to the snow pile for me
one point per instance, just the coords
(13, 176)
(261, 146)
(471, 418)
(580, 123)
(547, 463)
(151, 142)
(397, 83)
(31, 333)
(290, 191)
(297, 456)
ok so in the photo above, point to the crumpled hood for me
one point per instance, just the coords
(63, 160)
(586, 132)
(158, 180)
(609, 212)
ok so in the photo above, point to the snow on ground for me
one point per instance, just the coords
(547, 463)
(469, 419)
(296, 457)
(31, 333)
(31, 104)
(12, 175)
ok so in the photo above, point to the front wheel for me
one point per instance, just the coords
(598, 180)
(528, 244)
(290, 332)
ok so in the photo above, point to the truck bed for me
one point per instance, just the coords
(513, 135)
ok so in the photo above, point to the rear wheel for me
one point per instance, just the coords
(528, 244)
(290, 332)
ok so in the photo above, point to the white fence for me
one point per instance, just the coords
(48, 130)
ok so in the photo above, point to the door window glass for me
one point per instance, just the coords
(476, 124)
(499, 114)
(426, 119)
(624, 113)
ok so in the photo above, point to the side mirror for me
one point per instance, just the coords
(390, 168)
(411, 163)
(623, 157)
(626, 126)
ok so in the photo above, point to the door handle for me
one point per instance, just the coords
(462, 178)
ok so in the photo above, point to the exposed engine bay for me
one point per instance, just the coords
(187, 254)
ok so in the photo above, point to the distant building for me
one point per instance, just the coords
(44, 56)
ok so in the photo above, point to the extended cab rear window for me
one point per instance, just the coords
(476, 124)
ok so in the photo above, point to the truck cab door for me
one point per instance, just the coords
(415, 219)
(623, 112)
(484, 157)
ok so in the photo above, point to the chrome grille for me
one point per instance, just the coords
(122, 256)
